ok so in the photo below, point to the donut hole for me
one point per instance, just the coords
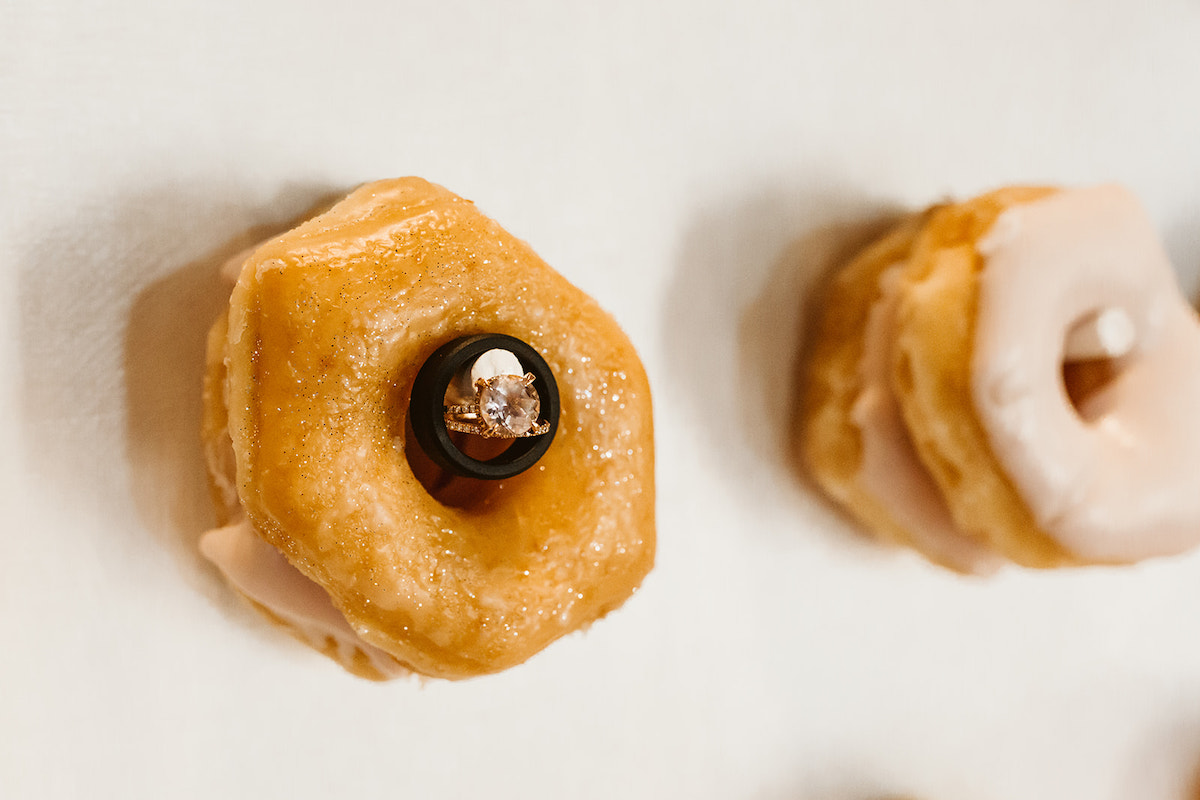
(1096, 350)
(1084, 381)
(444, 486)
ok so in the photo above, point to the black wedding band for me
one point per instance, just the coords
(427, 407)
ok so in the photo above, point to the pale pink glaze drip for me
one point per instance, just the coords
(260, 572)
(890, 470)
(1126, 485)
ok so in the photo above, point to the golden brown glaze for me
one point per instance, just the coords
(327, 327)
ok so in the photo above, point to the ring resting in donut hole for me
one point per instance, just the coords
(1013, 378)
(333, 521)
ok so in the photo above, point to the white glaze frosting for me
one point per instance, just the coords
(1125, 485)
(260, 572)
(890, 469)
(496, 362)
(491, 363)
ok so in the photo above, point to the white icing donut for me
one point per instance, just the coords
(1117, 479)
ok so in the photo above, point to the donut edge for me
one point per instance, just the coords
(829, 443)
(222, 482)
(931, 378)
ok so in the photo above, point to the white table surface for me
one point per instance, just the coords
(694, 166)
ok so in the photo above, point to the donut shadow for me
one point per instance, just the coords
(164, 360)
(830, 249)
(1193, 783)
(111, 343)
(834, 782)
(760, 265)
(164, 353)
(1167, 761)
(1182, 241)
(825, 251)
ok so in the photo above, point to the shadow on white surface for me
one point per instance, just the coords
(747, 287)
(115, 312)
(164, 368)
(1182, 240)
(851, 785)
(811, 262)
(1158, 765)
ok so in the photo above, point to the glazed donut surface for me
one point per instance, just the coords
(328, 325)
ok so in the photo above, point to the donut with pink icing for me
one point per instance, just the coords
(1015, 378)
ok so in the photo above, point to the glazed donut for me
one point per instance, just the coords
(317, 478)
(1042, 361)
(853, 437)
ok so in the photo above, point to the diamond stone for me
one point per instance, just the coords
(508, 404)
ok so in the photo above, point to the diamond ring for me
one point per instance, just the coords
(492, 386)
(504, 407)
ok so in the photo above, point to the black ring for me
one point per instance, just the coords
(427, 409)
